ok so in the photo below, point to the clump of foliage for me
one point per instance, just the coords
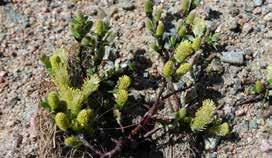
(177, 47)
(93, 105)
(96, 95)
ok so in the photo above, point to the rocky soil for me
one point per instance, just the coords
(31, 27)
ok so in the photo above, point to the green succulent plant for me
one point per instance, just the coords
(196, 43)
(190, 18)
(95, 97)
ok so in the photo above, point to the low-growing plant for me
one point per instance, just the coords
(93, 104)
(175, 47)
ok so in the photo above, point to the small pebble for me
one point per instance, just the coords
(268, 17)
(241, 111)
(233, 25)
(247, 28)
(253, 124)
(258, 2)
(127, 5)
(233, 57)
(257, 10)
(211, 142)
(266, 146)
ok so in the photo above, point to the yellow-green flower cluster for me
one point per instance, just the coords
(124, 82)
(259, 87)
(196, 43)
(84, 117)
(53, 101)
(72, 141)
(203, 116)
(121, 98)
(168, 69)
(220, 130)
(183, 69)
(183, 50)
(160, 29)
(121, 94)
(62, 121)
(99, 27)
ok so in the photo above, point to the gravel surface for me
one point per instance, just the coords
(31, 27)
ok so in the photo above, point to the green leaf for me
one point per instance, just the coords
(160, 29)
(53, 100)
(190, 18)
(62, 121)
(100, 27)
(182, 31)
(80, 26)
(45, 104)
(195, 3)
(157, 16)
(45, 60)
(148, 7)
(84, 117)
(259, 87)
(199, 26)
(185, 6)
(196, 43)
(149, 25)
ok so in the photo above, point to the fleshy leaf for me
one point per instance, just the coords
(199, 26)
